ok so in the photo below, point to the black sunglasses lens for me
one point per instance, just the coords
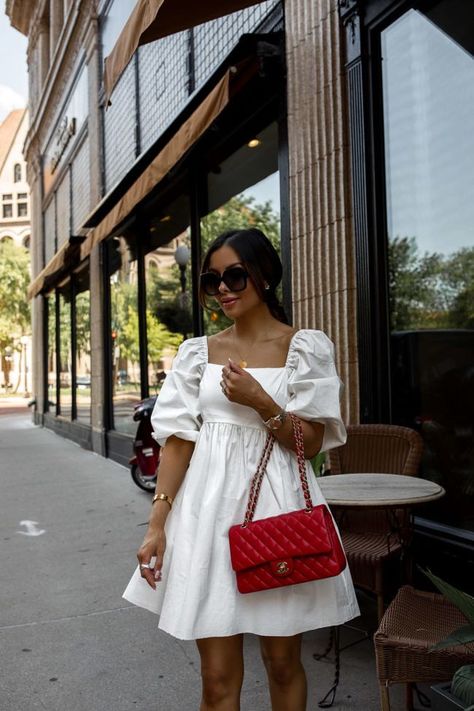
(210, 283)
(235, 279)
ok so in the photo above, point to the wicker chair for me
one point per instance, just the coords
(413, 622)
(368, 535)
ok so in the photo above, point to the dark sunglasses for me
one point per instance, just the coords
(235, 279)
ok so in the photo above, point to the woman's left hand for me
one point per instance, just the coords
(239, 386)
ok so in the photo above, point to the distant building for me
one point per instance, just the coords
(14, 190)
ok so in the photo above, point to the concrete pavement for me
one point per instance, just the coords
(70, 525)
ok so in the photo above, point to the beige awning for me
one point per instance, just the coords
(66, 256)
(152, 19)
(185, 137)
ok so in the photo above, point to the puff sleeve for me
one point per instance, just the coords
(176, 410)
(314, 385)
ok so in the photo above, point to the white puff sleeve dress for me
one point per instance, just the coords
(197, 596)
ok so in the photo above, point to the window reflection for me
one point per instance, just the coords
(243, 192)
(428, 107)
(125, 341)
(83, 348)
(65, 356)
(52, 361)
(168, 287)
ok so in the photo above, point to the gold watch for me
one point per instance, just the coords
(276, 421)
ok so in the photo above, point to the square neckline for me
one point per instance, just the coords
(275, 367)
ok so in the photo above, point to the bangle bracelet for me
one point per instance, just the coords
(163, 497)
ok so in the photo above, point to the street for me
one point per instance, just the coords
(70, 526)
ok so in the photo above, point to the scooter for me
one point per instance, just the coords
(146, 458)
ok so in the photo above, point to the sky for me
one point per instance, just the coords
(13, 74)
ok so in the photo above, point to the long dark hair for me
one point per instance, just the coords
(261, 260)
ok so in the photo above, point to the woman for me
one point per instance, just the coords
(214, 411)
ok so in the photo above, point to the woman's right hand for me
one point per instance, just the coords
(153, 546)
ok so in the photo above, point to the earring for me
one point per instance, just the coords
(267, 286)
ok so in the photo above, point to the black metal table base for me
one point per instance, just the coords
(334, 642)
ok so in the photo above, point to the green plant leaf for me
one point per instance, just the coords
(464, 635)
(462, 600)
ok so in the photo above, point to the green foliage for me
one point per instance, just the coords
(462, 685)
(465, 603)
(240, 212)
(15, 316)
(429, 291)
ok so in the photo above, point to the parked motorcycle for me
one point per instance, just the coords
(146, 458)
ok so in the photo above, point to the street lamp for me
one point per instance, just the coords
(181, 257)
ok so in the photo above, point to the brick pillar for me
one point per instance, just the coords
(322, 240)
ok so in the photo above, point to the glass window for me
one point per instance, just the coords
(83, 348)
(65, 355)
(168, 287)
(7, 211)
(22, 209)
(428, 97)
(243, 192)
(16, 173)
(113, 23)
(7, 196)
(124, 332)
(52, 362)
(22, 196)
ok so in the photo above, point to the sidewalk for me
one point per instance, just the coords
(70, 526)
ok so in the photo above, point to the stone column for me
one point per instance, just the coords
(38, 304)
(44, 59)
(98, 327)
(322, 240)
(56, 20)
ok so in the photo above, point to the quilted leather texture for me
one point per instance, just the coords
(285, 550)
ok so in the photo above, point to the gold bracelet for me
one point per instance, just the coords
(163, 497)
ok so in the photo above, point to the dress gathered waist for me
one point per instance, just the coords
(218, 420)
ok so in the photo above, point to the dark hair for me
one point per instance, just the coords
(261, 260)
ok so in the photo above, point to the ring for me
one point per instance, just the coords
(146, 565)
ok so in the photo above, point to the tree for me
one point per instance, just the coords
(429, 291)
(15, 318)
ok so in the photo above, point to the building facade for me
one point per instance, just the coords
(14, 188)
(340, 128)
(16, 351)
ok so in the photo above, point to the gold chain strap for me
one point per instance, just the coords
(262, 465)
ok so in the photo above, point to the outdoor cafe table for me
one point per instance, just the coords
(373, 491)
(378, 490)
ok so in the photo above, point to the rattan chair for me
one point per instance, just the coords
(368, 536)
(412, 623)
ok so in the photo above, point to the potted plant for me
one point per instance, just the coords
(458, 694)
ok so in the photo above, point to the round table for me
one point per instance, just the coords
(378, 490)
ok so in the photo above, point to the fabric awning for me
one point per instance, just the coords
(185, 137)
(152, 19)
(66, 256)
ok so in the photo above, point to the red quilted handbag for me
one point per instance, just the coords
(291, 548)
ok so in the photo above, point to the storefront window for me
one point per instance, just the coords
(52, 361)
(243, 192)
(168, 287)
(83, 348)
(124, 332)
(428, 95)
(65, 356)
